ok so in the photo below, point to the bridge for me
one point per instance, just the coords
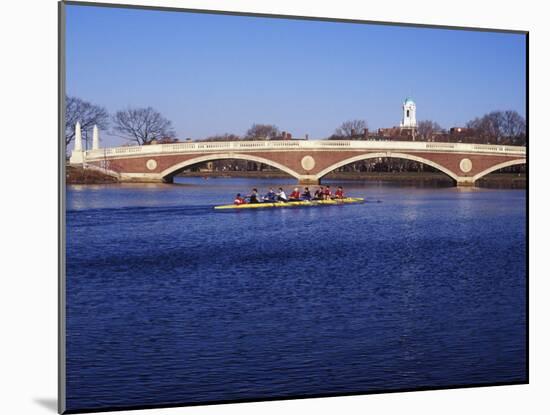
(306, 160)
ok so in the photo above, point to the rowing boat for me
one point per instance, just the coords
(344, 201)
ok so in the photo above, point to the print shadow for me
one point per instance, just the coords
(48, 403)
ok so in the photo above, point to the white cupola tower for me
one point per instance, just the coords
(409, 114)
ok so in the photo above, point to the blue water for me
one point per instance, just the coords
(169, 301)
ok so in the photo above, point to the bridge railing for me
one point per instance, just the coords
(299, 144)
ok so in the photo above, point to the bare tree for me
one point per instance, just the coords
(427, 128)
(499, 127)
(352, 129)
(514, 127)
(86, 113)
(488, 127)
(262, 132)
(142, 125)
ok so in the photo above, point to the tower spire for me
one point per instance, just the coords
(77, 156)
(409, 114)
(77, 137)
(95, 138)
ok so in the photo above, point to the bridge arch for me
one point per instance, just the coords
(498, 167)
(224, 156)
(389, 155)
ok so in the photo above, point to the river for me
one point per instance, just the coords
(169, 301)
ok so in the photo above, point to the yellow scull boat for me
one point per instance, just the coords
(346, 200)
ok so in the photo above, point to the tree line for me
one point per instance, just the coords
(496, 127)
(146, 125)
(255, 132)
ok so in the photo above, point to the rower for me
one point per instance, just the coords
(339, 194)
(281, 195)
(254, 196)
(306, 195)
(327, 194)
(295, 195)
(269, 196)
(319, 193)
(239, 200)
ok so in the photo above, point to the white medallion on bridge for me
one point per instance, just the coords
(308, 163)
(465, 165)
(151, 164)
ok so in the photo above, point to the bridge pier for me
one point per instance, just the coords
(465, 181)
(144, 178)
(308, 180)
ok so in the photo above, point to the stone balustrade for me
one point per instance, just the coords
(228, 146)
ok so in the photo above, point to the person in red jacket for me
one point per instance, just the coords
(239, 200)
(327, 194)
(339, 194)
(295, 195)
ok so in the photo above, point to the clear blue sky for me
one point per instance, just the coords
(213, 74)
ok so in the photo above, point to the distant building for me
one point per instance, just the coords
(461, 131)
(396, 133)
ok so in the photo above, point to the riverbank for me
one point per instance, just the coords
(503, 180)
(78, 175)
(495, 180)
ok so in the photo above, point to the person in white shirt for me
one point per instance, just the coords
(281, 195)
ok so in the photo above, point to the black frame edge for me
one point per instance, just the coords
(61, 190)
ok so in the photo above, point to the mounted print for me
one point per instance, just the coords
(259, 207)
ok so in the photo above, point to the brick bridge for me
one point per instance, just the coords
(307, 161)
